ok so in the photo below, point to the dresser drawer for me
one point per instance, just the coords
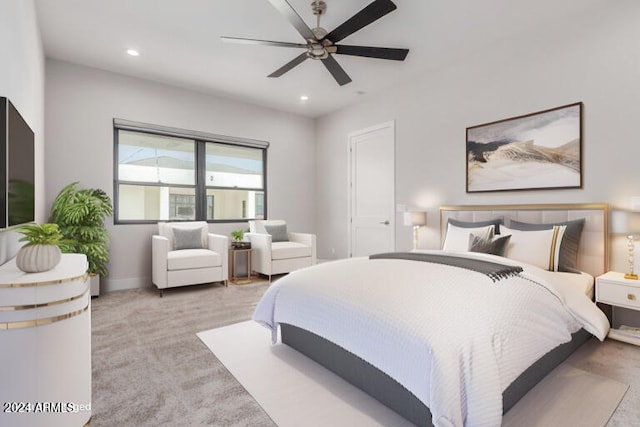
(620, 295)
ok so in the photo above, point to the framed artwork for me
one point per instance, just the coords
(541, 150)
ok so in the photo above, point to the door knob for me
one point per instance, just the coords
(385, 222)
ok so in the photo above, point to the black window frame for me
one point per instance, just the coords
(200, 139)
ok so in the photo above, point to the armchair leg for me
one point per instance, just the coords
(161, 292)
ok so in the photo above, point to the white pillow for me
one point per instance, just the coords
(457, 238)
(166, 229)
(257, 226)
(540, 248)
(202, 227)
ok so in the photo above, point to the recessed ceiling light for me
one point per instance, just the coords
(303, 97)
(133, 52)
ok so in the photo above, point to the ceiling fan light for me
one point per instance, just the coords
(317, 51)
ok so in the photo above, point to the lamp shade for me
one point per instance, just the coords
(415, 218)
(625, 222)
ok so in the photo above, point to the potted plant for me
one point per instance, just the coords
(42, 252)
(80, 214)
(237, 240)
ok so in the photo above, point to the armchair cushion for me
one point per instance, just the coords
(187, 259)
(166, 229)
(258, 225)
(187, 238)
(278, 232)
(285, 250)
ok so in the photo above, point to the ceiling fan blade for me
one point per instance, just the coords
(366, 16)
(261, 42)
(336, 70)
(292, 16)
(373, 52)
(289, 65)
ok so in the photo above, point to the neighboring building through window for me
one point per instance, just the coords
(167, 174)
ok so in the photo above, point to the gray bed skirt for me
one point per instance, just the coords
(389, 392)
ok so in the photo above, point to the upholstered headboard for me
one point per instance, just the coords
(593, 252)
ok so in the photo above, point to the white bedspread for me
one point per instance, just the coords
(452, 337)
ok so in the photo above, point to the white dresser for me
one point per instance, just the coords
(45, 345)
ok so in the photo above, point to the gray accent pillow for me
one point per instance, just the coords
(568, 261)
(278, 232)
(495, 246)
(471, 224)
(187, 238)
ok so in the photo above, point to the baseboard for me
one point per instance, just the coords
(109, 285)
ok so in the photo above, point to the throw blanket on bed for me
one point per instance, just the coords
(493, 270)
(447, 334)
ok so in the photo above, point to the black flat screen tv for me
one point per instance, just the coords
(17, 168)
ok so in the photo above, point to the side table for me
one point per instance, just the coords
(233, 252)
(613, 289)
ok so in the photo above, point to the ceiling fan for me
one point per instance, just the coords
(321, 45)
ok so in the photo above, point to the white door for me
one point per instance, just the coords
(372, 187)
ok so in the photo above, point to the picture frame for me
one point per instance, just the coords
(541, 150)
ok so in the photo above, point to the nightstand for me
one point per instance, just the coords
(233, 252)
(613, 289)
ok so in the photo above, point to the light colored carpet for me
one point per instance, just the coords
(150, 368)
(293, 390)
(568, 396)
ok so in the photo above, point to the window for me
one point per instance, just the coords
(167, 174)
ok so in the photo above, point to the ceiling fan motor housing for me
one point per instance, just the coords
(317, 44)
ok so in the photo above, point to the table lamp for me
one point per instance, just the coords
(627, 223)
(415, 219)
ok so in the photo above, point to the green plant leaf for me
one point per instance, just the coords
(237, 235)
(80, 214)
(41, 234)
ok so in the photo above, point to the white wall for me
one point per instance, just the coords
(590, 57)
(81, 104)
(593, 57)
(22, 81)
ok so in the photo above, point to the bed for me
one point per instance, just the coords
(425, 374)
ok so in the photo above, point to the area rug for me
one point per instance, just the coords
(294, 390)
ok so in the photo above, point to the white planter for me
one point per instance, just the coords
(37, 258)
(94, 281)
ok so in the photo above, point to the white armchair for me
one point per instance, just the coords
(277, 251)
(185, 253)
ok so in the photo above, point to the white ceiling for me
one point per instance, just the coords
(179, 42)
